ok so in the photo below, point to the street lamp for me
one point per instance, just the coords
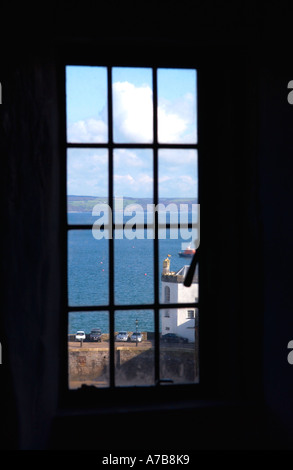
(136, 323)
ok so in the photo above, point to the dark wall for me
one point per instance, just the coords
(30, 302)
(250, 157)
(276, 198)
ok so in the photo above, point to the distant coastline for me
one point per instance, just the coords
(78, 204)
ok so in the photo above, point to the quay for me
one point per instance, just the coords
(134, 364)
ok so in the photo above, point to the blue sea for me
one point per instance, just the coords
(88, 274)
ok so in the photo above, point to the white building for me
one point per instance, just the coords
(181, 321)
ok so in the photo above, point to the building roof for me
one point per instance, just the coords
(179, 276)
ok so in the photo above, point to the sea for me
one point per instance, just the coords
(88, 272)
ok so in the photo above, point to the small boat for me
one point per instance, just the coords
(187, 253)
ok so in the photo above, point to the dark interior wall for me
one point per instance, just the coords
(276, 198)
(30, 301)
(250, 107)
(230, 219)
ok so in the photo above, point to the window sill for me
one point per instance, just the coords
(89, 400)
(178, 424)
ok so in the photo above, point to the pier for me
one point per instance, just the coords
(134, 364)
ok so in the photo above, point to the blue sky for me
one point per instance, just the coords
(86, 90)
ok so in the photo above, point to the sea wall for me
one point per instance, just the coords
(134, 365)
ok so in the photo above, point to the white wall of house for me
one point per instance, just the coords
(177, 320)
(185, 325)
(187, 294)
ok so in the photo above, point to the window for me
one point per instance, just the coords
(190, 314)
(132, 217)
(167, 294)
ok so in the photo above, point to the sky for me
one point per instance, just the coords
(132, 95)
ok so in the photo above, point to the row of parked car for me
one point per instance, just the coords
(96, 335)
(124, 336)
(167, 338)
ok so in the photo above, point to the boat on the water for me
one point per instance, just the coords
(187, 253)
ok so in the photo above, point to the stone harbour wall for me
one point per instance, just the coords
(133, 365)
(88, 364)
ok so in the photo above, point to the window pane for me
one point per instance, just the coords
(179, 346)
(172, 273)
(88, 359)
(86, 104)
(134, 359)
(133, 188)
(133, 175)
(132, 105)
(177, 119)
(134, 280)
(178, 177)
(178, 206)
(88, 273)
(87, 184)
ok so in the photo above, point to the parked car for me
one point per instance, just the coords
(173, 338)
(95, 334)
(136, 337)
(122, 336)
(80, 335)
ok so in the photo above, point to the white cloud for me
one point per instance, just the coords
(138, 185)
(125, 158)
(145, 179)
(86, 170)
(89, 130)
(170, 126)
(124, 179)
(133, 172)
(178, 186)
(179, 157)
(133, 115)
(132, 112)
(164, 179)
(133, 118)
(176, 120)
